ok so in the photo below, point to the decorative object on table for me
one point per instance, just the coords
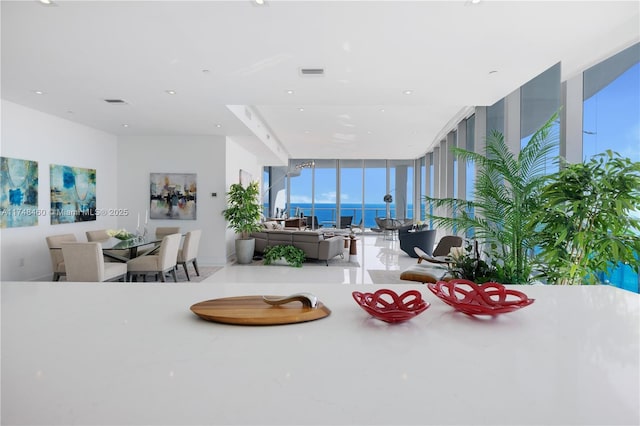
(388, 306)
(479, 299)
(121, 234)
(588, 224)
(262, 310)
(291, 255)
(243, 213)
(73, 194)
(18, 193)
(173, 196)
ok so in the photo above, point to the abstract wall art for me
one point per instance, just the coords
(73, 194)
(19, 193)
(173, 196)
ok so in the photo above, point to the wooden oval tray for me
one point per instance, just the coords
(253, 310)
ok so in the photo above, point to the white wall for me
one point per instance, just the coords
(31, 135)
(138, 156)
(238, 158)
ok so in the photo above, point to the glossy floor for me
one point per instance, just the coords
(374, 253)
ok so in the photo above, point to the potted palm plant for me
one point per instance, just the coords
(586, 223)
(503, 213)
(243, 214)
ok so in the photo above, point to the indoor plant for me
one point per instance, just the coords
(292, 255)
(243, 213)
(505, 200)
(586, 224)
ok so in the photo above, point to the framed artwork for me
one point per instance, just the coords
(73, 194)
(173, 196)
(245, 178)
(19, 193)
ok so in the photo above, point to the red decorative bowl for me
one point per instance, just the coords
(479, 299)
(387, 306)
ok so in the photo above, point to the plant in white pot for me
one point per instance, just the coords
(243, 213)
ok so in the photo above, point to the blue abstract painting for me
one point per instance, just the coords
(19, 193)
(73, 194)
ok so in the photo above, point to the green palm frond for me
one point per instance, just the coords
(506, 194)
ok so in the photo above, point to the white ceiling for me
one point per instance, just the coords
(82, 52)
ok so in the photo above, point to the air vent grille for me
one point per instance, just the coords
(312, 71)
(115, 101)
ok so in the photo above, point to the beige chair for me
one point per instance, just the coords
(54, 242)
(101, 236)
(85, 262)
(442, 250)
(158, 264)
(189, 251)
(163, 231)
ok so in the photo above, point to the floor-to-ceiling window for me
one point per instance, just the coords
(611, 121)
(401, 183)
(539, 100)
(351, 184)
(423, 187)
(470, 166)
(375, 188)
(325, 190)
(301, 188)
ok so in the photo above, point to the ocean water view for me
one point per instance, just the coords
(327, 213)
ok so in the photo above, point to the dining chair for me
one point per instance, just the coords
(158, 264)
(100, 236)
(189, 251)
(57, 259)
(85, 262)
(163, 231)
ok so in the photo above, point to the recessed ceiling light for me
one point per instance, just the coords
(125, 125)
(290, 92)
(47, 2)
(382, 110)
(300, 109)
(38, 92)
(407, 92)
(218, 125)
(259, 2)
(475, 1)
(171, 92)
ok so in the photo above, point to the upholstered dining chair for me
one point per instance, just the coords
(158, 264)
(189, 251)
(54, 242)
(85, 262)
(163, 231)
(100, 236)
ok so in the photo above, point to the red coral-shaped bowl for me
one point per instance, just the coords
(388, 306)
(479, 299)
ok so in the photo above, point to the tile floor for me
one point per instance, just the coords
(374, 252)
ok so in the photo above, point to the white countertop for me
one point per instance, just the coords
(134, 354)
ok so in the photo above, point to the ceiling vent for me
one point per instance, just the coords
(116, 101)
(312, 71)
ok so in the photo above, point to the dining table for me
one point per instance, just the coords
(135, 354)
(132, 245)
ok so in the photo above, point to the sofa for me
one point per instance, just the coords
(313, 243)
